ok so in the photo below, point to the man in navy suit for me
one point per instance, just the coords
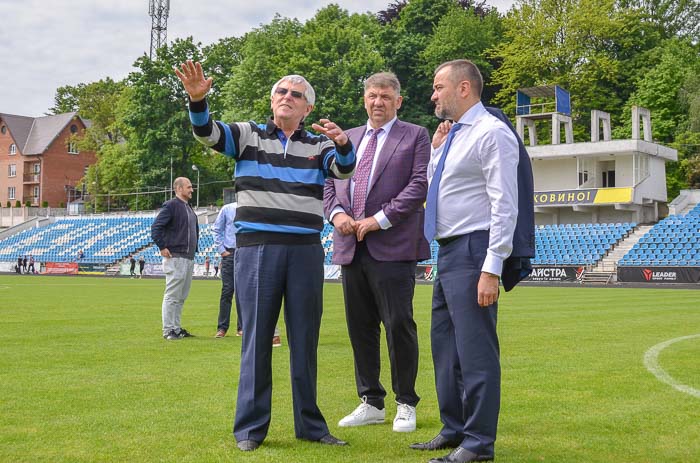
(378, 239)
(472, 211)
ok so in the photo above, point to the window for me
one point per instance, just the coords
(12, 170)
(36, 193)
(3, 129)
(37, 168)
(73, 148)
(73, 128)
(13, 149)
(11, 192)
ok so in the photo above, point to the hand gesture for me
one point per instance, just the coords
(192, 78)
(332, 131)
(441, 133)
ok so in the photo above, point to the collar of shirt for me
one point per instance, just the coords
(381, 138)
(473, 114)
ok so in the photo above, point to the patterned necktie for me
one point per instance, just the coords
(430, 225)
(361, 177)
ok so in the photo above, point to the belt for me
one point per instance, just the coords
(448, 240)
(230, 249)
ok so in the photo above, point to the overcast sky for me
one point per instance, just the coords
(46, 44)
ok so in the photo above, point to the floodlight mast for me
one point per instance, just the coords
(158, 10)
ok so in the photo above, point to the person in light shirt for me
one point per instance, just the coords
(471, 209)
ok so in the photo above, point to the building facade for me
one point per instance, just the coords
(38, 163)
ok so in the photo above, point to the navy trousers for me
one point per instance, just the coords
(227, 290)
(265, 275)
(465, 347)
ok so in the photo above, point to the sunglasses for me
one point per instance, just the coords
(281, 91)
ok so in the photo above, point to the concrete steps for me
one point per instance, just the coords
(609, 262)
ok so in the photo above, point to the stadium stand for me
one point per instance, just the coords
(577, 244)
(674, 241)
(103, 240)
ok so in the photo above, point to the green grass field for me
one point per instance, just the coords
(85, 376)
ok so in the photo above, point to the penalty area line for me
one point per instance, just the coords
(651, 362)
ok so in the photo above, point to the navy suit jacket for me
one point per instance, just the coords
(518, 265)
(398, 187)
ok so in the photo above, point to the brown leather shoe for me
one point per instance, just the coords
(220, 334)
(276, 341)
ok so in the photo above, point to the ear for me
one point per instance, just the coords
(399, 100)
(465, 88)
(309, 108)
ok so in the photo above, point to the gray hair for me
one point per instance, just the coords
(383, 80)
(463, 69)
(309, 93)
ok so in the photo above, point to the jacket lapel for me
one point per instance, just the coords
(388, 149)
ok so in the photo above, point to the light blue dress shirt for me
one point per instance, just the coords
(479, 186)
(224, 229)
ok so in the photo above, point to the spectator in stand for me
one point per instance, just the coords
(207, 263)
(81, 254)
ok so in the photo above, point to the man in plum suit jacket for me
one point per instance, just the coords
(378, 239)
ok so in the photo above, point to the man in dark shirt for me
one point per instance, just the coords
(176, 232)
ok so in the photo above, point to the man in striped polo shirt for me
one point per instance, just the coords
(280, 172)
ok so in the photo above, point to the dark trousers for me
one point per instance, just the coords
(228, 287)
(381, 292)
(265, 275)
(465, 347)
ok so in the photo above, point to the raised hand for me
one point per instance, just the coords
(441, 133)
(192, 78)
(331, 130)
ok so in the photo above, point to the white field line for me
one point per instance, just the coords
(651, 362)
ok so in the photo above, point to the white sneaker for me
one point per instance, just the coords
(405, 420)
(362, 415)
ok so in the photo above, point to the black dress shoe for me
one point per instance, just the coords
(248, 445)
(330, 439)
(461, 455)
(436, 443)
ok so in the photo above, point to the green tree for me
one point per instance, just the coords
(593, 48)
(334, 51)
(476, 33)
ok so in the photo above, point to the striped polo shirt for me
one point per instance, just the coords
(279, 181)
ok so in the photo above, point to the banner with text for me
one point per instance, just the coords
(555, 273)
(588, 196)
(61, 268)
(659, 274)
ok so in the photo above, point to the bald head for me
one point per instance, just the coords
(183, 188)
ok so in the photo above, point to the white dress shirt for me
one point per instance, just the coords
(479, 185)
(380, 217)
